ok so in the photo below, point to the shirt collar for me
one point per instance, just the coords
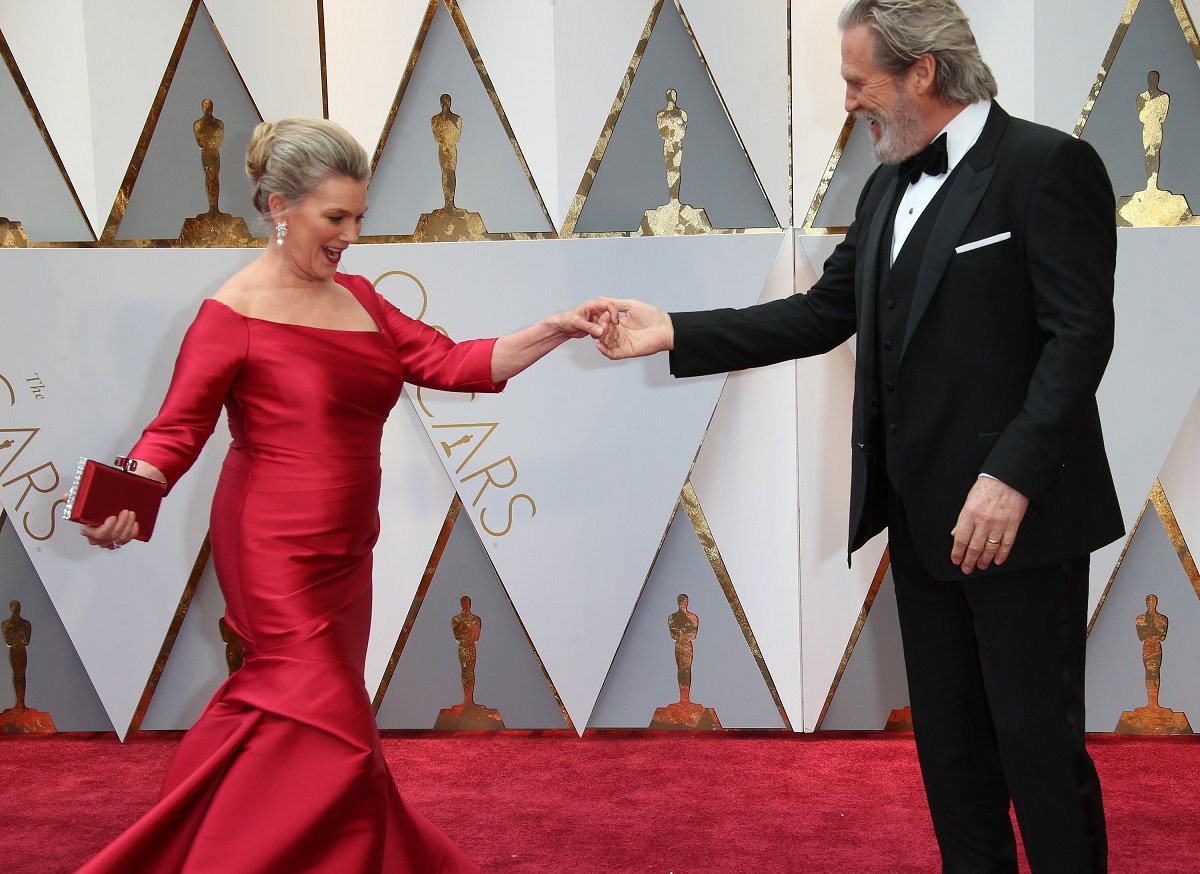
(964, 129)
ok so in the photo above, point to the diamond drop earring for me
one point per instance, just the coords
(280, 233)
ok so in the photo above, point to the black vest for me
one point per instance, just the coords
(892, 307)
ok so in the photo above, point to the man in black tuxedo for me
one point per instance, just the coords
(978, 277)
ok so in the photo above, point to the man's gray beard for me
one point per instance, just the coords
(903, 133)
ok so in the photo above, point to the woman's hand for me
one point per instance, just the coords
(583, 321)
(118, 530)
(115, 531)
(514, 352)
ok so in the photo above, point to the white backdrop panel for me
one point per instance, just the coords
(831, 595)
(1005, 33)
(1154, 371)
(1180, 477)
(602, 450)
(745, 479)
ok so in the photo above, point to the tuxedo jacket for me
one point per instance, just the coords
(1010, 327)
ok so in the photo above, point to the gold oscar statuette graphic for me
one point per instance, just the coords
(20, 719)
(899, 719)
(12, 235)
(448, 222)
(468, 716)
(233, 646)
(1153, 718)
(213, 228)
(1153, 206)
(684, 625)
(673, 217)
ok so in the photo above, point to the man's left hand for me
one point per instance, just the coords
(987, 526)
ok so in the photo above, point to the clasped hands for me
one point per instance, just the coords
(628, 328)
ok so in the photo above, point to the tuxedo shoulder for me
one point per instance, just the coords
(1038, 145)
(1035, 133)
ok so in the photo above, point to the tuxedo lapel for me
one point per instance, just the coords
(968, 184)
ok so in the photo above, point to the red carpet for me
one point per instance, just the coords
(620, 802)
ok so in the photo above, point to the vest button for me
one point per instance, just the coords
(890, 304)
(890, 386)
(892, 429)
(887, 345)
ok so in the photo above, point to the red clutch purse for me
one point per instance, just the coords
(102, 490)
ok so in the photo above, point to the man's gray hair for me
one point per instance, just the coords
(907, 29)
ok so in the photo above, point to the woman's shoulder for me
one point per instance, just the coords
(366, 294)
(354, 281)
(236, 293)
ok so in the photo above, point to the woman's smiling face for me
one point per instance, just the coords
(322, 225)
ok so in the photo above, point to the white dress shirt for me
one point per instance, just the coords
(961, 133)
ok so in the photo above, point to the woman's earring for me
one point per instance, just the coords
(280, 233)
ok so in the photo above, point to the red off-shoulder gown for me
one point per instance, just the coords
(283, 770)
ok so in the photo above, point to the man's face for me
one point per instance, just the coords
(886, 102)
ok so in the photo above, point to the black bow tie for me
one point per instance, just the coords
(931, 161)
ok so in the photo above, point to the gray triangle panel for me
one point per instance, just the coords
(1116, 673)
(873, 683)
(644, 675)
(170, 183)
(1153, 41)
(717, 175)
(428, 675)
(56, 680)
(34, 191)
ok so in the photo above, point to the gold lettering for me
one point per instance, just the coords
(475, 446)
(32, 485)
(53, 517)
(511, 501)
(489, 480)
(36, 386)
(469, 438)
(7, 443)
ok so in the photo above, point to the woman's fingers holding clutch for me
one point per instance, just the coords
(114, 532)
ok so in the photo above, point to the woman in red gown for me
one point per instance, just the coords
(283, 770)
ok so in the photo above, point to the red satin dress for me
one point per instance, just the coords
(283, 770)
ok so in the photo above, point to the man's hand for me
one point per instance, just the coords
(633, 329)
(987, 526)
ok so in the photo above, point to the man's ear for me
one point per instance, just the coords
(924, 74)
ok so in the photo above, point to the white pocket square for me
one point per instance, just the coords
(986, 241)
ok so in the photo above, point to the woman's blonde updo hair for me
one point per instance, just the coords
(292, 156)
